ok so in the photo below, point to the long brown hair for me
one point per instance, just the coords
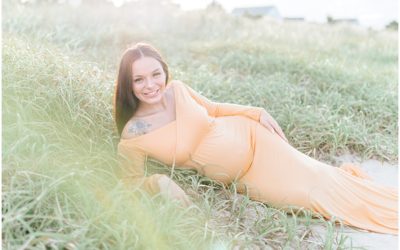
(125, 102)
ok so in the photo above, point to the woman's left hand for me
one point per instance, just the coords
(170, 190)
(269, 122)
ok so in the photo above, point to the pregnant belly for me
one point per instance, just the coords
(226, 152)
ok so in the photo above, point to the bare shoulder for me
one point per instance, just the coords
(136, 127)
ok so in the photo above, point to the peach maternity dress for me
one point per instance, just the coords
(227, 143)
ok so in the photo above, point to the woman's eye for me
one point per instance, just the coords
(156, 74)
(137, 80)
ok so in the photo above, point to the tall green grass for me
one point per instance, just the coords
(333, 89)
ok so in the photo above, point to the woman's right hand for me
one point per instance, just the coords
(170, 190)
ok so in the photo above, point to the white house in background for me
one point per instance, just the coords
(261, 11)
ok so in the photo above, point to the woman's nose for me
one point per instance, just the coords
(149, 82)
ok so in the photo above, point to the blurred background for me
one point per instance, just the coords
(369, 13)
(327, 71)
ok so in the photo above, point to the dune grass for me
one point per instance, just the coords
(333, 89)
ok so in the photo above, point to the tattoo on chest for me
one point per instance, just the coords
(139, 128)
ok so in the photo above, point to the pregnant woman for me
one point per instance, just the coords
(169, 121)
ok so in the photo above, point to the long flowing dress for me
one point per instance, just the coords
(227, 143)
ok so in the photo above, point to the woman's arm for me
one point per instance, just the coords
(132, 163)
(133, 170)
(216, 109)
(225, 109)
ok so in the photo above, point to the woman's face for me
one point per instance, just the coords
(149, 80)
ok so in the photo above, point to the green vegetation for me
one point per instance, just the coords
(333, 89)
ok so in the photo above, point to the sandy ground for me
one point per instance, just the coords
(385, 174)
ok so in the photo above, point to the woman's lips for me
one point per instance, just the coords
(151, 94)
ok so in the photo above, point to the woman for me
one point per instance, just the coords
(169, 121)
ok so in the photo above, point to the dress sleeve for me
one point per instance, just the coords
(216, 109)
(133, 170)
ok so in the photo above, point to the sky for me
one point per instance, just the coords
(370, 13)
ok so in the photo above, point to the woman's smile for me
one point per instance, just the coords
(152, 94)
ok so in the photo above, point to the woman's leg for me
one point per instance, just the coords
(281, 175)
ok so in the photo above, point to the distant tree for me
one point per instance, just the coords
(329, 19)
(215, 6)
(393, 25)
